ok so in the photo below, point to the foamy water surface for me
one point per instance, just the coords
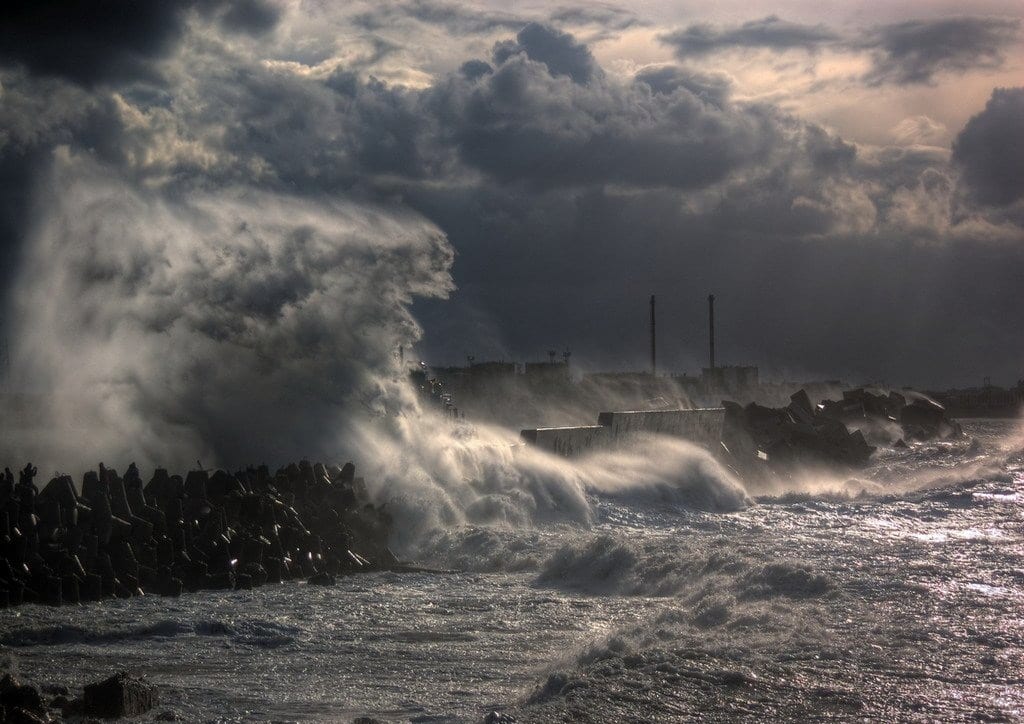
(902, 602)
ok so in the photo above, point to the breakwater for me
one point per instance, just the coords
(702, 426)
(206, 530)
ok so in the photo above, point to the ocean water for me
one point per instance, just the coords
(895, 596)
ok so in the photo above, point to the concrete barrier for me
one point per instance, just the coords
(568, 441)
(701, 426)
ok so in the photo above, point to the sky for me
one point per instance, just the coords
(265, 182)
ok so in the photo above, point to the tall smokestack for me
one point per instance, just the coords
(711, 327)
(653, 348)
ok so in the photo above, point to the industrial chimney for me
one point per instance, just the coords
(711, 327)
(653, 358)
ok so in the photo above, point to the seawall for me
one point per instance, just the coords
(701, 426)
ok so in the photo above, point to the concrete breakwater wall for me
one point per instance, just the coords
(569, 441)
(701, 426)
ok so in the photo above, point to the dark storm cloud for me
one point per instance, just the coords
(89, 42)
(317, 136)
(474, 69)
(990, 149)
(116, 40)
(533, 123)
(770, 32)
(456, 18)
(557, 50)
(543, 115)
(602, 22)
(902, 53)
(713, 88)
(606, 16)
(915, 51)
(250, 16)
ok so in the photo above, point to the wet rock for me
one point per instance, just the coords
(759, 440)
(925, 419)
(496, 717)
(886, 418)
(24, 716)
(16, 696)
(119, 696)
(60, 702)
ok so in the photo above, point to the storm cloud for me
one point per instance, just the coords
(915, 52)
(116, 40)
(558, 51)
(771, 32)
(990, 149)
(905, 53)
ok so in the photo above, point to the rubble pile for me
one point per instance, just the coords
(120, 537)
(782, 438)
(887, 418)
(833, 432)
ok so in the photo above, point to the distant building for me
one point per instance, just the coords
(620, 380)
(730, 378)
(985, 401)
(547, 375)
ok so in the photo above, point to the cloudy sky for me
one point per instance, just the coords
(847, 178)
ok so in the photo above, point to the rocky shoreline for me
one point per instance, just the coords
(120, 537)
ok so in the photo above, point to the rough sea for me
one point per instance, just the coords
(895, 597)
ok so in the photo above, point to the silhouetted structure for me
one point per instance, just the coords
(730, 378)
(986, 401)
(711, 330)
(654, 364)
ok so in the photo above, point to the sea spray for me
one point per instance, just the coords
(435, 474)
(227, 325)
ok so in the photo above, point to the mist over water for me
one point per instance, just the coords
(229, 325)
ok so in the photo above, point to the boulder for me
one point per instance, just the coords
(17, 696)
(24, 716)
(119, 696)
